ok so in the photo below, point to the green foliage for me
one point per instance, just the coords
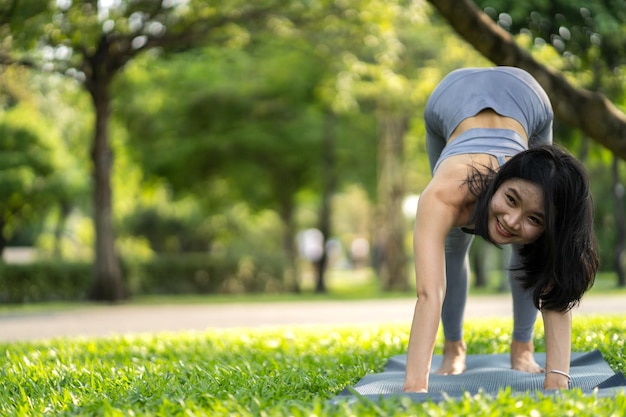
(20, 22)
(25, 167)
(605, 216)
(257, 112)
(250, 118)
(89, 40)
(182, 274)
(206, 274)
(169, 232)
(191, 273)
(44, 281)
(278, 372)
(580, 30)
(41, 161)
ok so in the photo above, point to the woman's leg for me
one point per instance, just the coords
(524, 318)
(457, 283)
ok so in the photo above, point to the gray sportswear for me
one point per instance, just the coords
(510, 92)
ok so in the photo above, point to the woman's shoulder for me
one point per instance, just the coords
(449, 184)
(449, 190)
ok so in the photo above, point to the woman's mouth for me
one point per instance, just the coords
(502, 231)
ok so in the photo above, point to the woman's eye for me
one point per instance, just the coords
(510, 198)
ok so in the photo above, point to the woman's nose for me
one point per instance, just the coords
(512, 220)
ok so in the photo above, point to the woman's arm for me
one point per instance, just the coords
(558, 334)
(433, 221)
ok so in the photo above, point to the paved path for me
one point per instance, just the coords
(131, 319)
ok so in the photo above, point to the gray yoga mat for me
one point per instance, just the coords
(488, 374)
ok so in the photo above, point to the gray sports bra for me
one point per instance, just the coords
(500, 143)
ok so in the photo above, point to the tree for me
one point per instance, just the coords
(589, 111)
(93, 41)
(327, 47)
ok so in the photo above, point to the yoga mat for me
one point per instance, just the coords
(489, 374)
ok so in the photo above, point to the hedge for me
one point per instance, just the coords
(43, 281)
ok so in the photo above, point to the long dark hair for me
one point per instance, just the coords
(560, 266)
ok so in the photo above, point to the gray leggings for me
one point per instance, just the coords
(457, 282)
(458, 276)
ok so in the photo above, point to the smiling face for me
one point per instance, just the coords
(516, 213)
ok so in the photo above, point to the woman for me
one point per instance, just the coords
(496, 174)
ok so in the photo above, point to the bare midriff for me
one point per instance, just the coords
(488, 119)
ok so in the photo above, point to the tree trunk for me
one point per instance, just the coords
(291, 274)
(329, 183)
(589, 111)
(107, 277)
(391, 223)
(620, 225)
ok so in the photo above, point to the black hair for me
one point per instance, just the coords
(560, 266)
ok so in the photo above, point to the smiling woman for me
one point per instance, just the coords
(496, 174)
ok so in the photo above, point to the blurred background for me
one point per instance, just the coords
(229, 147)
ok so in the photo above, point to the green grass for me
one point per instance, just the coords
(273, 372)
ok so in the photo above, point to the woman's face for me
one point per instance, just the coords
(516, 213)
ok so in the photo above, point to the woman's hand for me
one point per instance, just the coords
(558, 334)
(438, 211)
(555, 381)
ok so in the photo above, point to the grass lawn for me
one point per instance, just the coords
(270, 372)
(277, 372)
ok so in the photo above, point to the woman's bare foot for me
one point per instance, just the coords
(453, 358)
(522, 358)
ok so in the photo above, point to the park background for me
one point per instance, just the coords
(185, 147)
(184, 153)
